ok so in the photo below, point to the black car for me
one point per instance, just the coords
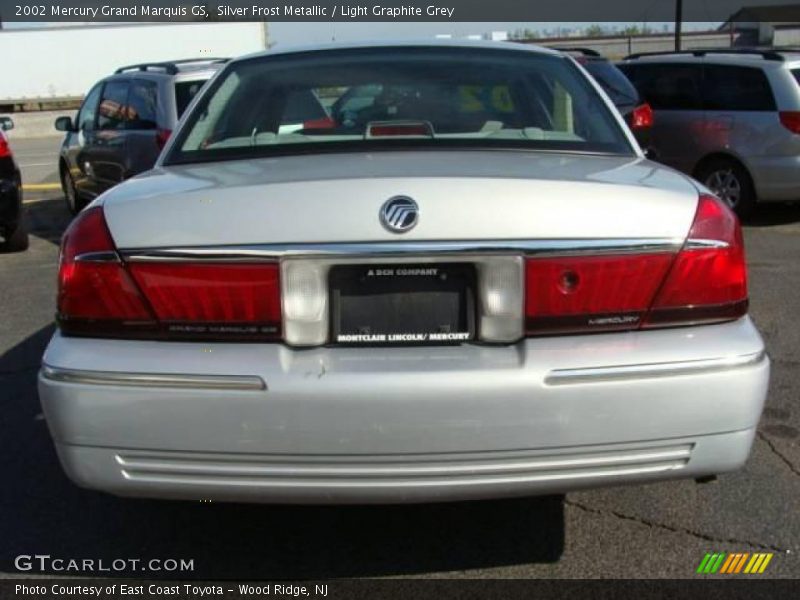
(636, 112)
(12, 226)
(123, 124)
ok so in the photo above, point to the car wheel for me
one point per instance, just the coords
(16, 240)
(732, 183)
(74, 204)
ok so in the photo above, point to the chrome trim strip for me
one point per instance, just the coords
(157, 380)
(258, 252)
(399, 483)
(696, 244)
(97, 257)
(651, 370)
(212, 466)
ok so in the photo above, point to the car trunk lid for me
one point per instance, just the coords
(461, 196)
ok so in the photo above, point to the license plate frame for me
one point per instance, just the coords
(402, 304)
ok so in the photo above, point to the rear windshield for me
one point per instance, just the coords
(796, 73)
(417, 97)
(614, 82)
(184, 92)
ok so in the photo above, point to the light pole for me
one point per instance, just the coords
(678, 21)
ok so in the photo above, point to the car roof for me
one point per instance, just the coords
(438, 43)
(769, 58)
(174, 68)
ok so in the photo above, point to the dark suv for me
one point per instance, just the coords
(123, 124)
(14, 236)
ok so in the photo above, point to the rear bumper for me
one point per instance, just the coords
(392, 479)
(403, 424)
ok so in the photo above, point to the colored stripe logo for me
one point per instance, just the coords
(734, 563)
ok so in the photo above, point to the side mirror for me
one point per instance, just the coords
(6, 123)
(650, 153)
(65, 124)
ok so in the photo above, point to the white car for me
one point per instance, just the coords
(474, 286)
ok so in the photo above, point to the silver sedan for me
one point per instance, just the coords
(448, 272)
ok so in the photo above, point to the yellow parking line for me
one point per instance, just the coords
(40, 187)
(35, 200)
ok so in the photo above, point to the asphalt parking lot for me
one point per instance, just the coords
(660, 530)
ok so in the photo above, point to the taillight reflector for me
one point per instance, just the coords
(94, 289)
(5, 149)
(708, 280)
(245, 297)
(791, 120)
(100, 295)
(642, 117)
(591, 293)
(705, 282)
(162, 137)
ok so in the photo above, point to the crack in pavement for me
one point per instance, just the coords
(778, 453)
(683, 530)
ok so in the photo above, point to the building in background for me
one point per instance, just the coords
(777, 25)
(621, 45)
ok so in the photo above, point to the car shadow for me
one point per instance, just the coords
(47, 218)
(769, 215)
(41, 512)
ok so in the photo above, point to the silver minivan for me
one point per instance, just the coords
(730, 118)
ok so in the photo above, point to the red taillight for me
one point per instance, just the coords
(95, 292)
(234, 299)
(411, 128)
(100, 295)
(708, 281)
(642, 117)
(705, 282)
(791, 120)
(592, 293)
(324, 123)
(5, 149)
(162, 135)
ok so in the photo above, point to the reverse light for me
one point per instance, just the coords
(305, 302)
(501, 292)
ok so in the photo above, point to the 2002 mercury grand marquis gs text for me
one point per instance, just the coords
(449, 273)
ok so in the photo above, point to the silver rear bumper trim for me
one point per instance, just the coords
(155, 380)
(647, 371)
(546, 247)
